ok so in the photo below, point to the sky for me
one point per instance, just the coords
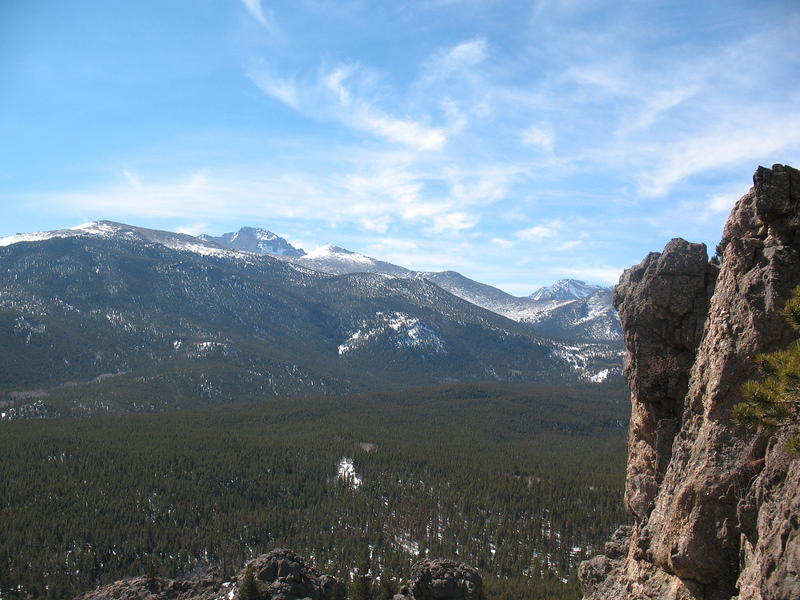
(517, 142)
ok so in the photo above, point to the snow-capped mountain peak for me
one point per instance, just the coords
(256, 240)
(565, 289)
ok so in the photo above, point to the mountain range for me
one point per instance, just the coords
(108, 317)
(569, 309)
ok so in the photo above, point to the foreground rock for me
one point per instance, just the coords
(280, 575)
(716, 506)
(442, 580)
(283, 575)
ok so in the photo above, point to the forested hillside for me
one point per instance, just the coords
(522, 481)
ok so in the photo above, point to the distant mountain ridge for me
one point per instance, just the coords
(108, 317)
(569, 309)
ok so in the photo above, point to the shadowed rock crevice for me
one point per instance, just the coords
(716, 506)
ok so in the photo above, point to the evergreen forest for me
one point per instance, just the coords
(523, 481)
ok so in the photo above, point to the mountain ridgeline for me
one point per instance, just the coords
(569, 309)
(110, 317)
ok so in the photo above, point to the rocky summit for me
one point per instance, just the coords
(442, 580)
(716, 506)
(284, 575)
(279, 575)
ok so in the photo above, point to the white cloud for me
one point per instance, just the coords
(332, 97)
(379, 224)
(723, 203)
(257, 12)
(193, 228)
(539, 136)
(568, 245)
(539, 232)
(503, 243)
(371, 192)
(283, 90)
(462, 56)
(334, 81)
(660, 102)
(601, 274)
(718, 148)
(410, 133)
(392, 245)
(132, 178)
(456, 221)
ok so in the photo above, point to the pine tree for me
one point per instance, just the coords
(774, 401)
(387, 587)
(361, 588)
(248, 590)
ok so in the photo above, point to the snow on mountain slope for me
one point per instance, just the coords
(589, 315)
(565, 289)
(338, 261)
(403, 330)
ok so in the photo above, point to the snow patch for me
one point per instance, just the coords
(600, 376)
(346, 472)
(402, 329)
(407, 544)
(26, 237)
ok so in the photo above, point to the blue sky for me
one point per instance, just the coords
(515, 142)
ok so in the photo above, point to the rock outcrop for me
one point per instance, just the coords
(283, 575)
(280, 575)
(716, 507)
(442, 580)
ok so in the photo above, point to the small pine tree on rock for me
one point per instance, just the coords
(248, 590)
(773, 402)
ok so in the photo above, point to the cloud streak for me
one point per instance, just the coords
(256, 10)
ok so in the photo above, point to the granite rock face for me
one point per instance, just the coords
(280, 575)
(442, 580)
(716, 507)
(662, 303)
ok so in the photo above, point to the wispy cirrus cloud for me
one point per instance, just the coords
(506, 126)
(539, 136)
(256, 10)
(569, 245)
(608, 275)
(331, 96)
(540, 232)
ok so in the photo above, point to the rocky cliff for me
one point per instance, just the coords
(716, 507)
